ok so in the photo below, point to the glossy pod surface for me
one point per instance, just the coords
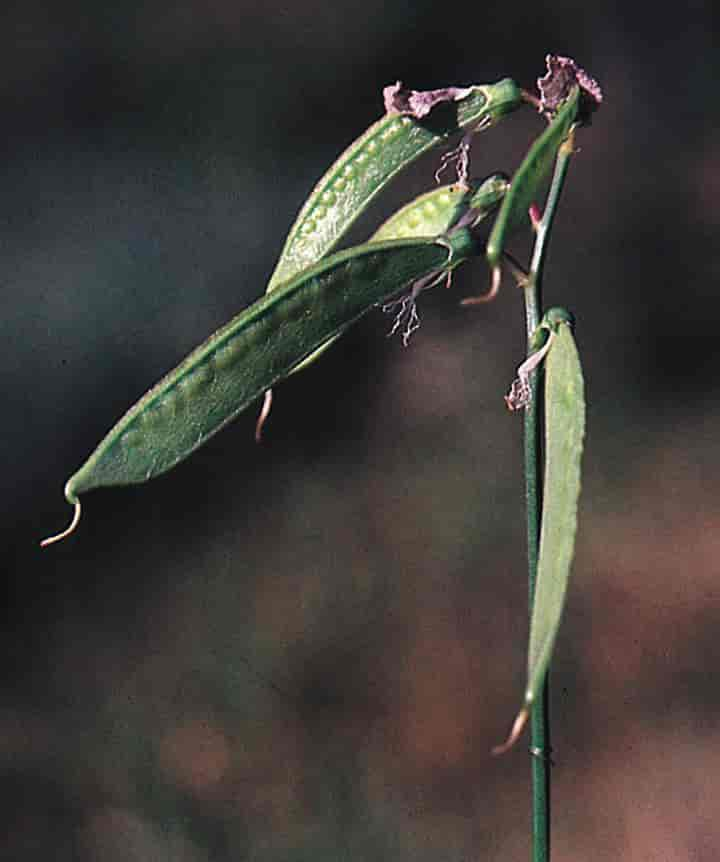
(365, 168)
(254, 350)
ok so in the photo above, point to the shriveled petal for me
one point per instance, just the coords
(419, 103)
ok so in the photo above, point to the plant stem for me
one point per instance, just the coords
(539, 717)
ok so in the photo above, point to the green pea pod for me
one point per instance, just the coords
(564, 434)
(435, 212)
(253, 351)
(526, 182)
(366, 167)
(429, 215)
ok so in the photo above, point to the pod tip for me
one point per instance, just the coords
(264, 413)
(66, 532)
(517, 729)
(490, 294)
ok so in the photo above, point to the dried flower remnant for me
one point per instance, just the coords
(406, 316)
(460, 158)
(520, 394)
(563, 73)
(419, 103)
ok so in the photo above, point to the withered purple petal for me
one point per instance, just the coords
(419, 103)
(562, 74)
(395, 97)
(589, 86)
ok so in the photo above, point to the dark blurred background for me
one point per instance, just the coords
(305, 650)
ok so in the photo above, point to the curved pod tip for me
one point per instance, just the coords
(75, 502)
(489, 295)
(515, 732)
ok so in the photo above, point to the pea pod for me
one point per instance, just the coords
(564, 435)
(253, 351)
(528, 178)
(366, 167)
(435, 212)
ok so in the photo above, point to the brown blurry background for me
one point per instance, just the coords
(305, 650)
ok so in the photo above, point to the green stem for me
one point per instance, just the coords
(539, 717)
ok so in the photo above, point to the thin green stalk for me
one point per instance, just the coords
(539, 718)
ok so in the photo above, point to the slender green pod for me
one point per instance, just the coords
(528, 178)
(564, 437)
(431, 214)
(253, 351)
(437, 211)
(366, 167)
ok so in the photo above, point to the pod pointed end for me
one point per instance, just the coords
(515, 732)
(489, 295)
(73, 500)
(264, 413)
